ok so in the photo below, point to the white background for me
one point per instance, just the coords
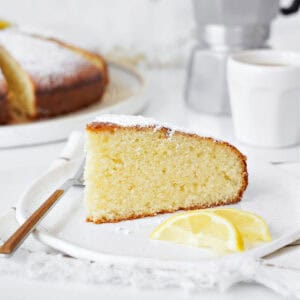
(160, 30)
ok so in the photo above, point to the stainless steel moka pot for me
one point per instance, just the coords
(223, 28)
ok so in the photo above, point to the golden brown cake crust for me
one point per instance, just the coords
(76, 92)
(99, 126)
(202, 206)
(4, 112)
(68, 99)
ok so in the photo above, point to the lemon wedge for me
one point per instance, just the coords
(200, 228)
(4, 24)
(251, 226)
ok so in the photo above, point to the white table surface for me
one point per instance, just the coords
(19, 166)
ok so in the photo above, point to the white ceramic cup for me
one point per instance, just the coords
(264, 89)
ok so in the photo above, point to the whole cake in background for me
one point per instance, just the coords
(44, 77)
(137, 167)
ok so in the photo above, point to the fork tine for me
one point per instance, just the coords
(79, 173)
(78, 177)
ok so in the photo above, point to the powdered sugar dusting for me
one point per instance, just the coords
(128, 120)
(46, 62)
(140, 121)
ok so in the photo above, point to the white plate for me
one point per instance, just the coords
(124, 95)
(271, 193)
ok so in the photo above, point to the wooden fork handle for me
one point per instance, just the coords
(22, 232)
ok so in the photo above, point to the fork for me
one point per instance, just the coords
(19, 236)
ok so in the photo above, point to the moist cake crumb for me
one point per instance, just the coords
(138, 167)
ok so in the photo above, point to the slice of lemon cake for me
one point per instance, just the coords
(137, 167)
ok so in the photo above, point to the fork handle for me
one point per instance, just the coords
(16, 239)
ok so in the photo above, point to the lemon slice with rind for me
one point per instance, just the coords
(200, 228)
(251, 226)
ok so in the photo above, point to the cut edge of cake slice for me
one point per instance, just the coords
(138, 167)
(21, 99)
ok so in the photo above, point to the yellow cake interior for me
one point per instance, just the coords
(133, 173)
(20, 90)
